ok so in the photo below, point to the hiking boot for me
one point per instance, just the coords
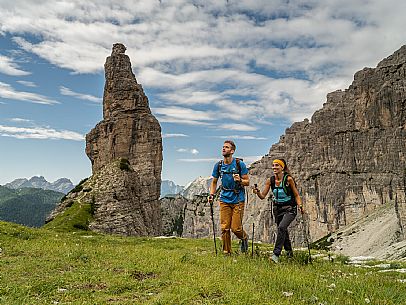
(244, 245)
(274, 259)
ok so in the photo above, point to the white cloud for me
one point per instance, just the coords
(8, 92)
(66, 91)
(7, 66)
(182, 115)
(189, 96)
(239, 127)
(39, 133)
(192, 151)
(253, 60)
(174, 135)
(241, 137)
(27, 83)
(20, 120)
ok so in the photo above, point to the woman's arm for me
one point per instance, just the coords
(296, 194)
(263, 194)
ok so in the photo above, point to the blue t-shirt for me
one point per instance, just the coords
(227, 195)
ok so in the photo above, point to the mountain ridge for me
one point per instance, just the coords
(63, 185)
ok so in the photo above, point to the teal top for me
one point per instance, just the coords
(280, 196)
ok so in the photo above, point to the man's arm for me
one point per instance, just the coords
(213, 186)
(245, 180)
(212, 190)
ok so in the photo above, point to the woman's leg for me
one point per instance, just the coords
(283, 220)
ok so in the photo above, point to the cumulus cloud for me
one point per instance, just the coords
(192, 151)
(87, 97)
(253, 60)
(183, 115)
(238, 127)
(8, 92)
(39, 133)
(9, 67)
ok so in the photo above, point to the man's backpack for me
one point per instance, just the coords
(220, 163)
(238, 186)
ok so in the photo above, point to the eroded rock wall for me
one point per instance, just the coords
(350, 158)
(125, 150)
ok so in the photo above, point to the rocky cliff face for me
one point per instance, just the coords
(198, 186)
(125, 150)
(350, 158)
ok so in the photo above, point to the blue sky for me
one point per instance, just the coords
(212, 70)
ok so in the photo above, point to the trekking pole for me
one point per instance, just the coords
(306, 235)
(253, 230)
(214, 229)
(252, 241)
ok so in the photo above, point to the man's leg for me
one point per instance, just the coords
(236, 223)
(225, 222)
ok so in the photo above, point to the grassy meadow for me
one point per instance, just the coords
(43, 266)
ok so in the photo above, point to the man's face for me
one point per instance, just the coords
(227, 151)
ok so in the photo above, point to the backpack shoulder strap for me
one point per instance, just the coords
(237, 161)
(219, 164)
(285, 184)
(272, 182)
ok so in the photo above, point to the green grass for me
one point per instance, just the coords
(42, 266)
(77, 216)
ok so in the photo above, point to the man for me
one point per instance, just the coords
(234, 176)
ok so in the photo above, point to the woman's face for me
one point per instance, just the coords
(277, 168)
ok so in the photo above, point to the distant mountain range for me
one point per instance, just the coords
(62, 185)
(196, 187)
(170, 188)
(27, 206)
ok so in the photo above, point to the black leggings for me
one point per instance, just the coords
(284, 215)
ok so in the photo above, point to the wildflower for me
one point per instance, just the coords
(313, 299)
(287, 294)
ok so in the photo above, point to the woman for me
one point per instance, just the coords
(286, 199)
